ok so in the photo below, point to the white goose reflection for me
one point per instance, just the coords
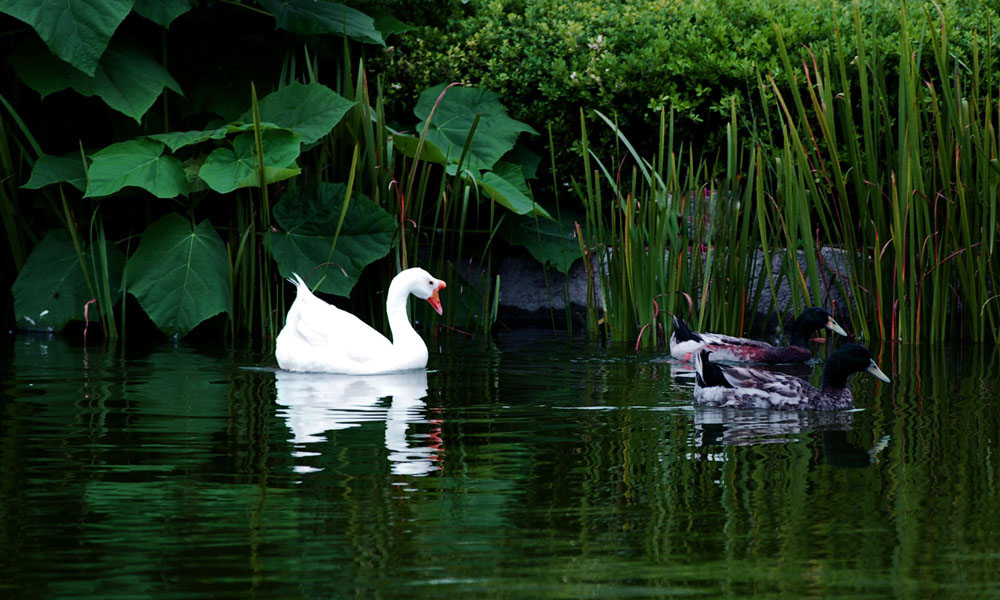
(319, 402)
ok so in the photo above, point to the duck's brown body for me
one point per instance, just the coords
(685, 344)
(743, 387)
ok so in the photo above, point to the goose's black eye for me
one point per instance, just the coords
(430, 283)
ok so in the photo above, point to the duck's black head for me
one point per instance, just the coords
(812, 319)
(847, 360)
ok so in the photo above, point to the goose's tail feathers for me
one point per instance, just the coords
(297, 282)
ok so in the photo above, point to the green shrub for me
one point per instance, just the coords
(550, 58)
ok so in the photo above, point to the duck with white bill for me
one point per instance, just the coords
(685, 344)
(745, 387)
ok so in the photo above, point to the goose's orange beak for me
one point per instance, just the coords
(435, 301)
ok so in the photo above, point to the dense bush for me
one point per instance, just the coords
(225, 145)
(550, 58)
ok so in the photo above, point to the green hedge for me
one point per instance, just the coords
(550, 58)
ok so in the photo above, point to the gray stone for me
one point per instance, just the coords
(528, 300)
(531, 296)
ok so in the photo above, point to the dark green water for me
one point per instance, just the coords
(534, 469)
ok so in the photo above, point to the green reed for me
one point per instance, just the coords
(256, 298)
(11, 147)
(18, 152)
(100, 267)
(438, 212)
(665, 230)
(902, 187)
(908, 191)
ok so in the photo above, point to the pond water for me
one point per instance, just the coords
(534, 468)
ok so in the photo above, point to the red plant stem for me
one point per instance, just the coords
(86, 318)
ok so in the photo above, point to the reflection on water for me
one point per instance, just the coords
(715, 426)
(533, 468)
(315, 403)
(745, 427)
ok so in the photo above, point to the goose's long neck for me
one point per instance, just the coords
(399, 322)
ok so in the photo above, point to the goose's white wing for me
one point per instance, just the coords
(326, 327)
(319, 337)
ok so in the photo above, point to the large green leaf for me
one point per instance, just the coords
(388, 25)
(55, 169)
(408, 145)
(319, 17)
(506, 185)
(162, 12)
(311, 109)
(528, 160)
(176, 140)
(138, 163)
(51, 289)
(452, 120)
(179, 274)
(308, 216)
(127, 79)
(77, 31)
(228, 169)
(552, 243)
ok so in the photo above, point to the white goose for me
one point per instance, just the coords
(319, 337)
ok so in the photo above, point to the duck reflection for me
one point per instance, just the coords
(316, 403)
(726, 426)
(681, 372)
(746, 427)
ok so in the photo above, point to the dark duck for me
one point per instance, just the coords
(686, 344)
(744, 387)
